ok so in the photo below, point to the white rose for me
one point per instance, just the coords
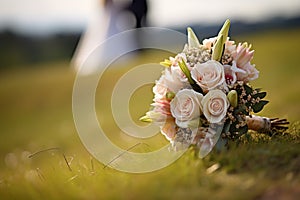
(208, 75)
(215, 105)
(186, 107)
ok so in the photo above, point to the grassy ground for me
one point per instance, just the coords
(36, 114)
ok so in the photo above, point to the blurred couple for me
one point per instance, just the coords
(109, 18)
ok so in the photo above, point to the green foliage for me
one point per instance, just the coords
(259, 106)
(166, 63)
(261, 95)
(248, 89)
(24, 51)
(244, 100)
(186, 71)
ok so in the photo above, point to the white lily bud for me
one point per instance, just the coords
(192, 38)
(224, 30)
(218, 49)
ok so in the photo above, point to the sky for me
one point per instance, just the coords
(55, 15)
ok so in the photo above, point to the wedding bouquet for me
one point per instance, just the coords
(204, 94)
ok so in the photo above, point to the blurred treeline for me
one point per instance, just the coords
(28, 50)
(25, 50)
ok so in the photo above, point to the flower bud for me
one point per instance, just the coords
(222, 38)
(192, 38)
(224, 30)
(166, 63)
(170, 95)
(233, 98)
(145, 119)
(218, 49)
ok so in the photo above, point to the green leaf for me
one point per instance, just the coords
(166, 63)
(242, 130)
(145, 119)
(186, 71)
(226, 127)
(192, 38)
(240, 109)
(218, 48)
(259, 106)
(258, 90)
(261, 95)
(248, 89)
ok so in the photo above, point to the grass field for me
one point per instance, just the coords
(36, 114)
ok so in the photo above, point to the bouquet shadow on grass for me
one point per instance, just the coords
(273, 156)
